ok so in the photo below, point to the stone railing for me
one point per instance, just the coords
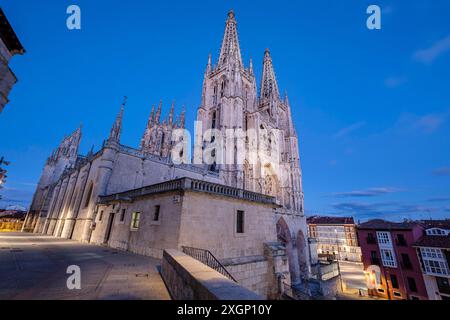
(188, 279)
(192, 185)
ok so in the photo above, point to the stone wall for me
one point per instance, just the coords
(253, 274)
(189, 279)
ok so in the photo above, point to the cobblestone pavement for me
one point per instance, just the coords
(34, 267)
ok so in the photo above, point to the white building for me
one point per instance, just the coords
(336, 237)
(433, 250)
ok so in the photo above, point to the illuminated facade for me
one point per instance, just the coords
(336, 238)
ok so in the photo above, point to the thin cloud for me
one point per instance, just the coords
(440, 172)
(431, 122)
(371, 192)
(347, 130)
(425, 124)
(427, 56)
(386, 210)
(394, 82)
(439, 199)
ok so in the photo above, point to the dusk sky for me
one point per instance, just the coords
(371, 107)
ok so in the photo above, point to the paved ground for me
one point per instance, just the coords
(34, 267)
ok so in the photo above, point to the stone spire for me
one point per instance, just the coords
(158, 113)
(172, 110)
(116, 128)
(269, 86)
(209, 65)
(151, 118)
(291, 123)
(230, 44)
(68, 148)
(251, 66)
(183, 117)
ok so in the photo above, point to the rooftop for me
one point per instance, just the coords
(442, 224)
(8, 35)
(434, 241)
(330, 220)
(379, 224)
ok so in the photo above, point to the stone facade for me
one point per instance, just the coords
(9, 46)
(76, 196)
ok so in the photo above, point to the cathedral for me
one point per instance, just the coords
(240, 198)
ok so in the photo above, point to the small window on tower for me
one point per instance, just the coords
(122, 215)
(240, 221)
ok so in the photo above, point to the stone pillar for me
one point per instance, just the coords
(101, 181)
(275, 252)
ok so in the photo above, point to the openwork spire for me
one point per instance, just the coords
(116, 128)
(230, 51)
(269, 86)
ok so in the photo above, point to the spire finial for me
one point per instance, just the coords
(158, 112)
(182, 116)
(116, 128)
(172, 110)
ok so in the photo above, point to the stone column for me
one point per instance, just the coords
(101, 181)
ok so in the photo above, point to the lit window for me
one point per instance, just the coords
(387, 256)
(135, 218)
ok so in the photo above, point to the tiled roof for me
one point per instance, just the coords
(386, 225)
(442, 224)
(434, 241)
(330, 220)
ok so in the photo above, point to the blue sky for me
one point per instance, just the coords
(372, 108)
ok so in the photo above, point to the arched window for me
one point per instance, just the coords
(87, 199)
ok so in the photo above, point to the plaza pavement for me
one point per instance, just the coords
(34, 266)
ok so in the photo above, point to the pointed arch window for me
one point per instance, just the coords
(88, 195)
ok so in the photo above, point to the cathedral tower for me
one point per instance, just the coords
(229, 93)
(230, 102)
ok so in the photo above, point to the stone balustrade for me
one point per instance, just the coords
(188, 184)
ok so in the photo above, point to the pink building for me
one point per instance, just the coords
(388, 248)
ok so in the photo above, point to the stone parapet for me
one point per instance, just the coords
(189, 279)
